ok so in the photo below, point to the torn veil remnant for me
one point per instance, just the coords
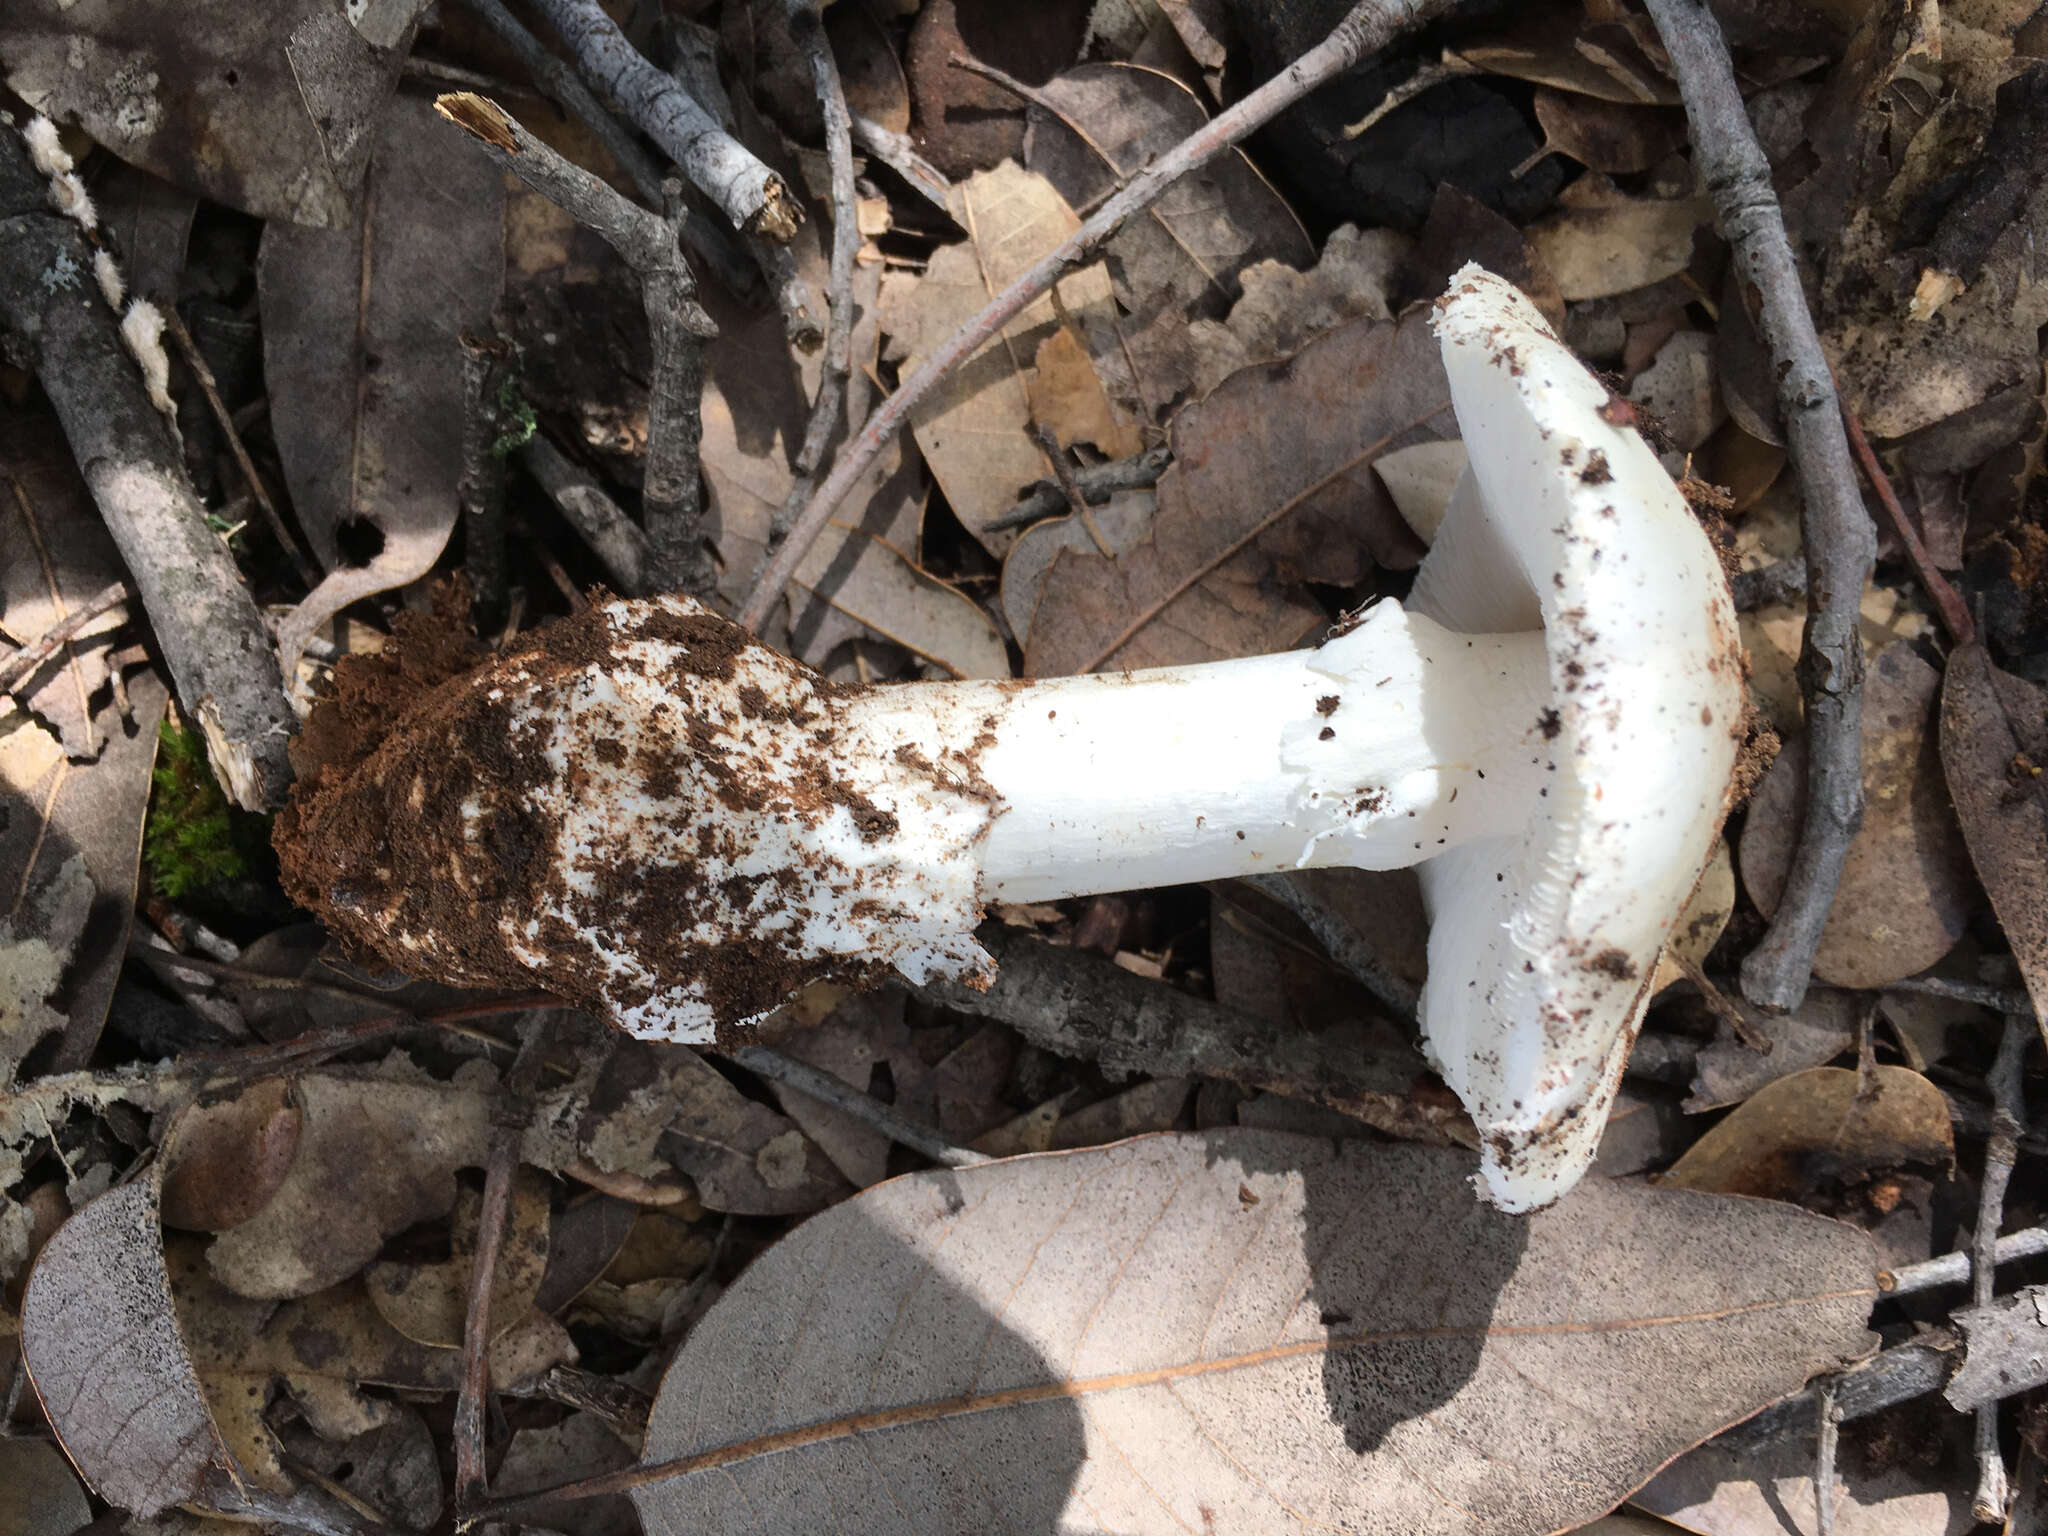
(651, 814)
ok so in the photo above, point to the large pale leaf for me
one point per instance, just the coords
(362, 353)
(1271, 486)
(103, 1346)
(1238, 1332)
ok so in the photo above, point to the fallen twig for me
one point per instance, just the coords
(302, 562)
(807, 25)
(843, 1096)
(2001, 1151)
(1840, 543)
(1077, 1004)
(613, 537)
(206, 623)
(558, 80)
(1367, 27)
(1097, 483)
(1825, 1442)
(745, 190)
(672, 495)
(1955, 618)
(695, 67)
(509, 1117)
(18, 668)
(896, 151)
(1955, 1268)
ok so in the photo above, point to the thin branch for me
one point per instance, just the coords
(26, 662)
(1367, 27)
(747, 192)
(1830, 1417)
(2001, 1151)
(309, 573)
(842, 1096)
(1955, 1268)
(1097, 483)
(613, 537)
(1955, 618)
(555, 77)
(1841, 544)
(672, 495)
(896, 151)
(509, 1117)
(808, 28)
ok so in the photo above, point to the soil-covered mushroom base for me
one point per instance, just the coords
(637, 809)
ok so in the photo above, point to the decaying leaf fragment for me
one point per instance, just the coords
(104, 1349)
(1994, 747)
(1239, 1332)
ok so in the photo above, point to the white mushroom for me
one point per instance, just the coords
(644, 811)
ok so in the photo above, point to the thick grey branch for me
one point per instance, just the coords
(1841, 544)
(206, 623)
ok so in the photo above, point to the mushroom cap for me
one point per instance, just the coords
(1543, 944)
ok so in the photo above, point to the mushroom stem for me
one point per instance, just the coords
(1383, 747)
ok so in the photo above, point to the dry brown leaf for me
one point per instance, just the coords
(110, 1365)
(327, 1347)
(1599, 241)
(1153, 1106)
(70, 850)
(1679, 389)
(1994, 748)
(393, 1468)
(429, 1302)
(1702, 918)
(1234, 1331)
(777, 75)
(362, 355)
(224, 1161)
(1766, 1489)
(1729, 1070)
(39, 1496)
(586, 1236)
(1607, 136)
(269, 108)
(375, 1156)
(965, 122)
(743, 1157)
(1812, 1128)
(1119, 523)
(582, 1445)
(968, 1083)
(879, 587)
(974, 427)
(61, 556)
(1599, 59)
(1093, 127)
(1271, 486)
(1906, 889)
(1461, 229)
